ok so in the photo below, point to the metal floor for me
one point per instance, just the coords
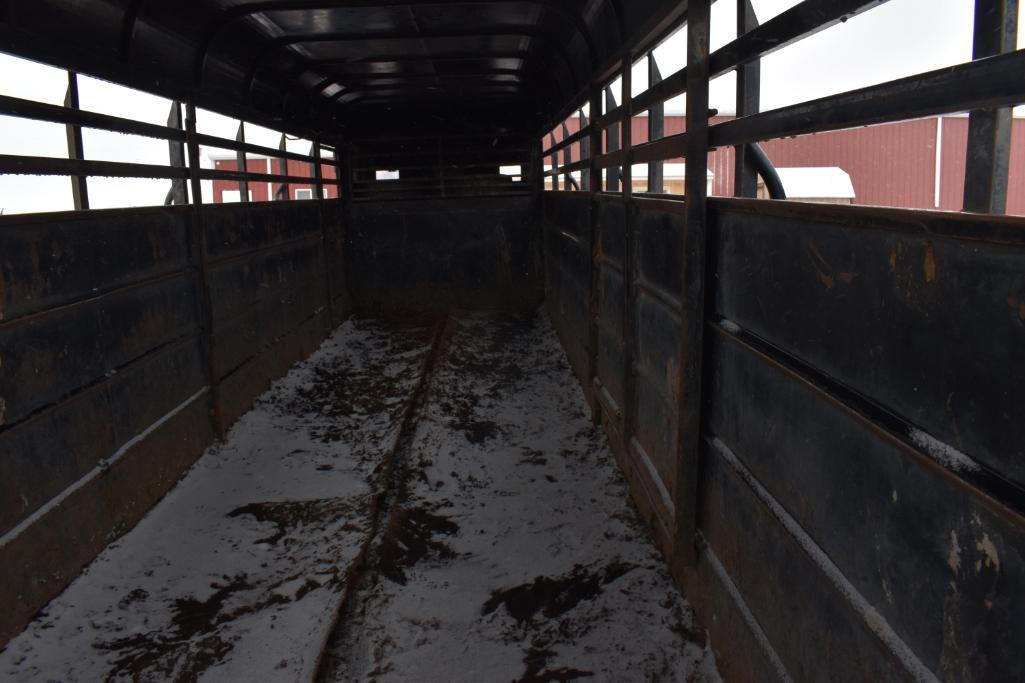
(417, 501)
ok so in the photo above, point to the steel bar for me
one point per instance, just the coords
(29, 165)
(282, 191)
(762, 166)
(694, 287)
(569, 140)
(567, 157)
(629, 310)
(585, 149)
(52, 113)
(989, 130)
(178, 194)
(991, 82)
(554, 173)
(656, 128)
(670, 147)
(199, 261)
(749, 84)
(612, 142)
(242, 164)
(79, 182)
(594, 173)
(318, 174)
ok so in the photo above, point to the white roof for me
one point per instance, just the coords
(817, 182)
(671, 171)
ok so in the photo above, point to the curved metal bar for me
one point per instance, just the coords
(767, 171)
(280, 43)
(238, 12)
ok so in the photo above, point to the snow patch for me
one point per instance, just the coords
(946, 455)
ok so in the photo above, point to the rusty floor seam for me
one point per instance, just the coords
(382, 507)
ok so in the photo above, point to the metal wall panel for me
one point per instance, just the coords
(861, 508)
(106, 396)
(446, 252)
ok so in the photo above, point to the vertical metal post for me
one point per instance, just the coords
(656, 128)
(282, 193)
(585, 153)
(344, 170)
(198, 260)
(694, 286)
(318, 175)
(326, 235)
(612, 143)
(241, 164)
(567, 157)
(629, 264)
(989, 130)
(594, 137)
(177, 195)
(749, 84)
(539, 230)
(76, 151)
(555, 162)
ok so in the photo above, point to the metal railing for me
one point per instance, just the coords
(180, 133)
(987, 87)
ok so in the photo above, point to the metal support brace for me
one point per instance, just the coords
(79, 183)
(567, 159)
(344, 171)
(198, 261)
(318, 175)
(656, 128)
(989, 130)
(612, 142)
(241, 164)
(629, 408)
(585, 153)
(282, 193)
(555, 162)
(594, 309)
(694, 287)
(745, 175)
(178, 194)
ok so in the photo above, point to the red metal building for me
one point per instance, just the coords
(225, 191)
(893, 164)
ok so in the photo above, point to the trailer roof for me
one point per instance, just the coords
(312, 66)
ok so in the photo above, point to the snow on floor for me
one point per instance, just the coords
(511, 552)
(467, 526)
(237, 572)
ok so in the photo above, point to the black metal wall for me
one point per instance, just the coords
(861, 512)
(128, 340)
(430, 253)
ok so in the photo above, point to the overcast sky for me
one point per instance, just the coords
(899, 38)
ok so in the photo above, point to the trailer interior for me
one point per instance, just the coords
(450, 421)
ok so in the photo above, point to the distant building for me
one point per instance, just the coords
(227, 191)
(916, 164)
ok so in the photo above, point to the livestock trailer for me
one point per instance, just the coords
(389, 432)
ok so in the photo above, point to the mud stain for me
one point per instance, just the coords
(537, 671)
(554, 596)
(184, 650)
(345, 394)
(411, 537)
(287, 516)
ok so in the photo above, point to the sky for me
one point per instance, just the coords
(897, 39)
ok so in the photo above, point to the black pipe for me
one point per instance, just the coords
(767, 171)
